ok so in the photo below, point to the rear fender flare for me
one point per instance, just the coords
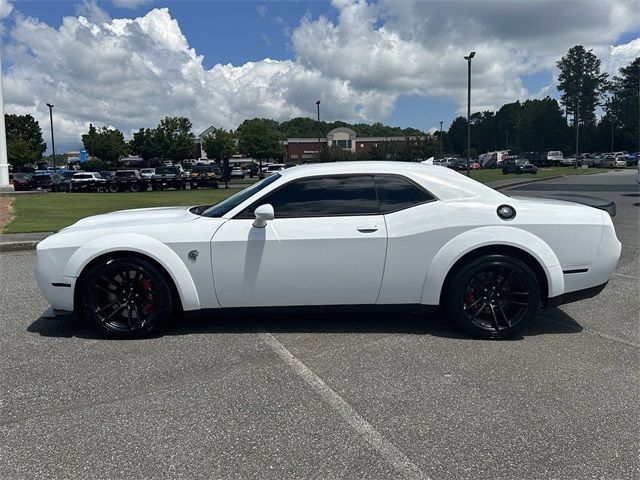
(471, 240)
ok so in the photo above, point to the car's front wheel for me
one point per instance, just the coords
(493, 296)
(126, 297)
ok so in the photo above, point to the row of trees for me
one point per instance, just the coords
(546, 124)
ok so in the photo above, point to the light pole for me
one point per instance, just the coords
(611, 120)
(318, 107)
(440, 136)
(53, 142)
(468, 59)
(5, 186)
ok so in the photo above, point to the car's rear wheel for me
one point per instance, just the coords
(493, 296)
(113, 188)
(126, 297)
(134, 187)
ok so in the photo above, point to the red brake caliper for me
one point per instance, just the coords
(148, 305)
(470, 298)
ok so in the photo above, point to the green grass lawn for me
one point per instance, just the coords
(50, 212)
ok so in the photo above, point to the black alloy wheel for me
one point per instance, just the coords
(494, 296)
(127, 297)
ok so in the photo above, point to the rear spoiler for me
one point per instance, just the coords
(600, 203)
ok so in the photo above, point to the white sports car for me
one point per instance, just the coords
(359, 233)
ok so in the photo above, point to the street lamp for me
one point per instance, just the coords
(468, 59)
(318, 107)
(53, 142)
(5, 185)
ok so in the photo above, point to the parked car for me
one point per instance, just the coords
(458, 164)
(126, 180)
(518, 166)
(475, 166)
(205, 176)
(86, 182)
(621, 162)
(606, 161)
(237, 172)
(272, 169)
(490, 261)
(147, 172)
(169, 177)
(632, 159)
(42, 181)
(253, 170)
(21, 181)
(554, 158)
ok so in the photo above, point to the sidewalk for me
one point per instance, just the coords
(11, 242)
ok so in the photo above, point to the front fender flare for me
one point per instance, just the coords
(144, 245)
(471, 240)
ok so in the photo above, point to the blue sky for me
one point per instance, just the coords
(368, 61)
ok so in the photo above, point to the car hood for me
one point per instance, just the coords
(135, 217)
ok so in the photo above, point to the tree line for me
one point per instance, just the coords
(532, 125)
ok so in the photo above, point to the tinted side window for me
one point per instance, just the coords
(397, 193)
(322, 197)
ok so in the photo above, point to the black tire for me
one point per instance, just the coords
(194, 186)
(493, 296)
(126, 297)
(134, 187)
(113, 188)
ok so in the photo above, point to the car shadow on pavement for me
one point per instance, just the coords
(553, 321)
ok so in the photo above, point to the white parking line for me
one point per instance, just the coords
(392, 454)
(625, 276)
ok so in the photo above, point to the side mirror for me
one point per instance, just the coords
(263, 213)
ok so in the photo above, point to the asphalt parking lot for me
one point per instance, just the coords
(324, 396)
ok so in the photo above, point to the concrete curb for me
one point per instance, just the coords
(18, 246)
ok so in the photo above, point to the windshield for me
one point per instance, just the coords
(220, 208)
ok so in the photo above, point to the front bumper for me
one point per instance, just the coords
(56, 288)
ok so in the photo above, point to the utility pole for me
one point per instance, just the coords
(440, 136)
(576, 120)
(318, 107)
(5, 186)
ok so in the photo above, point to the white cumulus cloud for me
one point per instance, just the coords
(129, 73)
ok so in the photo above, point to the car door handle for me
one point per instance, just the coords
(368, 229)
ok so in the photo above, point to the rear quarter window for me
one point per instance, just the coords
(398, 193)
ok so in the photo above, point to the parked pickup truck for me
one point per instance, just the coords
(126, 181)
(168, 177)
(203, 176)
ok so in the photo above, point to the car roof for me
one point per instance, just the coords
(444, 183)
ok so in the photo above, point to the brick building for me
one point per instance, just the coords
(306, 149)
